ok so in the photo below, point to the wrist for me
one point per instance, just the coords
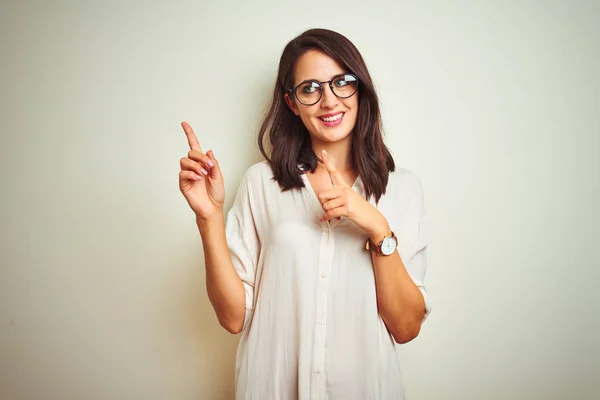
(206, 223)
(377, 233)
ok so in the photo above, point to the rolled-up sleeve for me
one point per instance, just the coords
(244, 244)
(414, 239)
(417, 265)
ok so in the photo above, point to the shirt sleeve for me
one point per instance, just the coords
(243, 242)
(414, 240)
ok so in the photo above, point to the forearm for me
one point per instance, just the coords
(400, 302)
(223, 284)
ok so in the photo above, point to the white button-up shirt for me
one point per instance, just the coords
(312, 329)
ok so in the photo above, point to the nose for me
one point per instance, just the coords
(329, 100)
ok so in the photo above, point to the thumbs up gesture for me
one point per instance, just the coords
(343, 201)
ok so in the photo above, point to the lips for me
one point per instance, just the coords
(332, 120)
(331, 117)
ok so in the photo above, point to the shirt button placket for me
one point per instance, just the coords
(325, 258)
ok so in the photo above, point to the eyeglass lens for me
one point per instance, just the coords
(311, 92)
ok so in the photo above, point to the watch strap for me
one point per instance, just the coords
(376, 248)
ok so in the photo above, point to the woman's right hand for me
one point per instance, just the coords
(200, 179)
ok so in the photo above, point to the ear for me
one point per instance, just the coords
(290, 103)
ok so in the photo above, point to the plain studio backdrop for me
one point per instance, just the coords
(494, 105)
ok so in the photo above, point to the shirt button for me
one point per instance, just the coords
(318, 371)
(321, 321)
(323, 275)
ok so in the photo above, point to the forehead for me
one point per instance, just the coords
(316, 65)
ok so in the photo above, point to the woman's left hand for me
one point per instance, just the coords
(343, 201)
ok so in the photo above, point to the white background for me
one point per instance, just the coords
(494, 105)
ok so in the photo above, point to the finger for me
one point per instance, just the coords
(335, 213)
(189, 175)
(327, 195)
(191, 137)
(215, 171)
(334, 203)
(201, 158)
(191, 165)
(334, 175)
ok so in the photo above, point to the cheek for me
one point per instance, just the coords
(308, 116)
(354, 111)
(307, 119)
(352, 104)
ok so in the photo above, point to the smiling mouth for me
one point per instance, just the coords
(333, 118)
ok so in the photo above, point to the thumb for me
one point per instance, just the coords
(334, 175)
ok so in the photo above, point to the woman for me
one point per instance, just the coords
(321, 262)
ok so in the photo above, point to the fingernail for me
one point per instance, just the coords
(203, 171)
(211, 164)
(198, 177)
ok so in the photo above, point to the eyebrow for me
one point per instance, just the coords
(316, 80)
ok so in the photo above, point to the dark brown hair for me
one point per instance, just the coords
(289, 139)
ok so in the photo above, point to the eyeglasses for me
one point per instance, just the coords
(310, 92)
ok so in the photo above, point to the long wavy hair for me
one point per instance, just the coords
(290, 142)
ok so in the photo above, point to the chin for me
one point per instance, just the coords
(331, 136)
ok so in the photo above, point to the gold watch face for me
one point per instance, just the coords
(388, 246)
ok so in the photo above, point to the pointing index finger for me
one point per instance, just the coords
(192, 139)
(336, 177)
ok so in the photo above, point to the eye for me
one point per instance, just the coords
(344, 80)
(309, 87)
(340, 82)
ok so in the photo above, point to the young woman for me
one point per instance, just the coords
(322, 260)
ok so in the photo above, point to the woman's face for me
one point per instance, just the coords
(332, 118)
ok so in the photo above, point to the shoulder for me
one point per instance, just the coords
(256, 178)
(260, 170)
(256, 192)
(257, 175)
(403, 182)
(250, 188)
(403, 200)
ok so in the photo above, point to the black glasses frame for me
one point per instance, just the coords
(294, 89)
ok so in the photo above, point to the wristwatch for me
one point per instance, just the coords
(386, 247)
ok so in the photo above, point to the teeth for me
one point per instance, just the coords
(334, 118)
